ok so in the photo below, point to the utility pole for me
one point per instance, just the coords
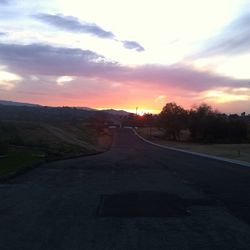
(136, 110)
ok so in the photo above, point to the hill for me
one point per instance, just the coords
(23, 104)
(28, 132)
(11, 103)
(116, 112)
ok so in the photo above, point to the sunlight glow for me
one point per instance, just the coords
(63, 79)
(236, 67)
(143, 111)
(226, 95)
(126, 54)
(160, 99)
(176, 40)
(8, 80)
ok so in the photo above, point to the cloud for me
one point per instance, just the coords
(4, 1)
(133, 45)
(40, 59)
(72, 24)
(160, 99)
(8, 80)
(44, 70)
(182, 77)
(64, 79)
(47, 60)
(225, 95)
(3, 33)
(233, 39)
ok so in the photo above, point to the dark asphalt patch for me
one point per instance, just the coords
(5, 211)
(147, 204)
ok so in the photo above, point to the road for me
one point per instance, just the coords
(135, 196)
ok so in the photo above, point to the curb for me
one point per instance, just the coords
(241, 163)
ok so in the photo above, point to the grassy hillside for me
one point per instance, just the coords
(32, 134)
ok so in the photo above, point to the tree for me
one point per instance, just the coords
(173, 118)
(148, 119)
(208, 125)
(200, 122)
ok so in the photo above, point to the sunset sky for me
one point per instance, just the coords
(126, 54)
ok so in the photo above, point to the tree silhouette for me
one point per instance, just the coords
(173, 119)
(204, 124)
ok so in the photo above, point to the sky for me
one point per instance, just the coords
(126, 54)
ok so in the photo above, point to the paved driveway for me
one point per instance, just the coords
(135, 196)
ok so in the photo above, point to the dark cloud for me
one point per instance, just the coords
(182, 77)
(233, 39)
(72, 24)
(50, 61)
(133, 45)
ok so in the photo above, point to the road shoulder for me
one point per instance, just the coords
(241, 163)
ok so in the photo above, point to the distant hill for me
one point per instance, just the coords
(116, 112)
(109, 111)
(23, 104)
(86, 108)
(10, 103)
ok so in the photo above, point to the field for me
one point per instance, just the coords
(233, 151)
(25, 143)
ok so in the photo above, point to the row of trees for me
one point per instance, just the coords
(200, 124)
(203, 123)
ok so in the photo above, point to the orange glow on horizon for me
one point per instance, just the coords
(140, 112)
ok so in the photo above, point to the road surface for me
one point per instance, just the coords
(135, 196)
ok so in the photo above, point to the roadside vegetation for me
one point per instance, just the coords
(200, 129)
(33, 134)
(17, 158)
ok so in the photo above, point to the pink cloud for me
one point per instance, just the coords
(97, 82)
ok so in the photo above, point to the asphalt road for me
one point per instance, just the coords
(135, 196)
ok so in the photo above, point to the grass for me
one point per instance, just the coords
(17, 159)
(26, 140)
(59, 140)
(233, 151)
